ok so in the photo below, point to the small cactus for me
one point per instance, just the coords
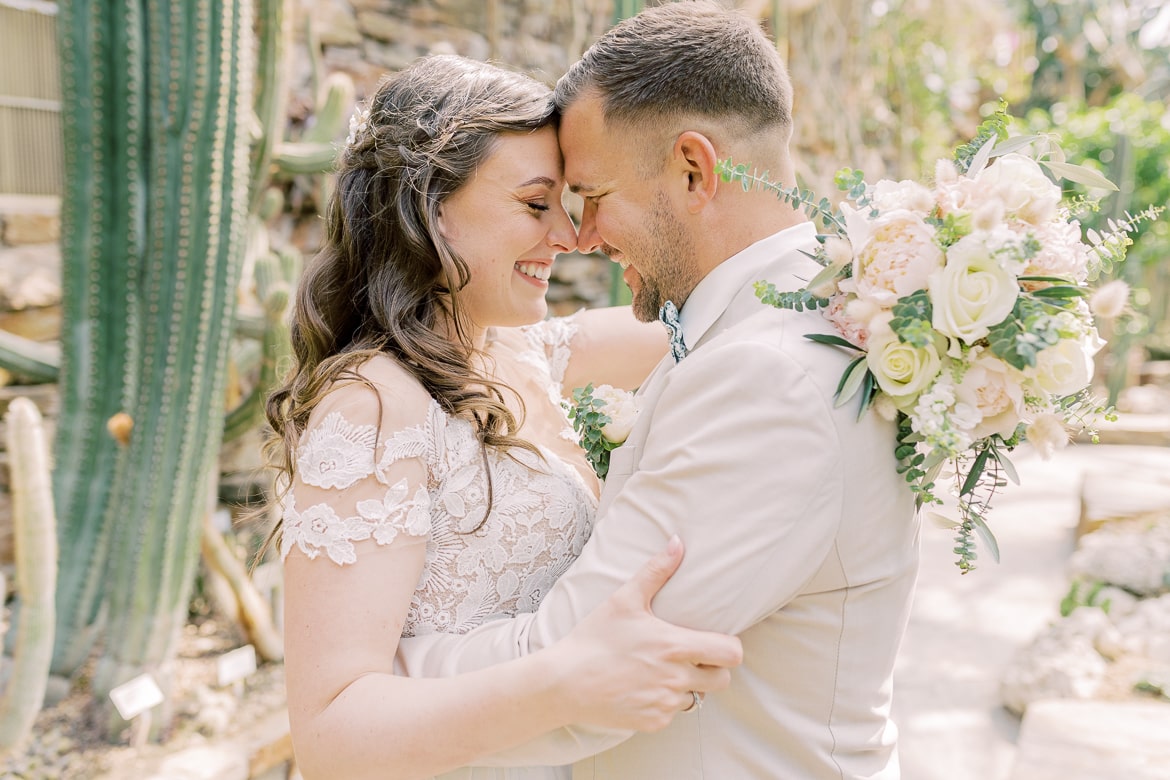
(36, 572)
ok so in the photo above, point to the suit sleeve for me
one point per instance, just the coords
(742, 461)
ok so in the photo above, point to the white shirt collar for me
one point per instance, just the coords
(714, 292)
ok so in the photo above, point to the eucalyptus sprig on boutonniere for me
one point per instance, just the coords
(968, 307)
(602, 417)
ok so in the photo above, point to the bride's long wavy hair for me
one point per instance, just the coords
(386, 282)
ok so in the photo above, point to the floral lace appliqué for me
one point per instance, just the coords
(337, 454)
(320, 529)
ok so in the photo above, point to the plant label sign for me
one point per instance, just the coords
(236, 665)
(136, 696)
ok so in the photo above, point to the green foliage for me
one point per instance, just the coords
(1082, 594)
(994, 128)
(912, 319)
(1020, 337)
(798, 300)
(588, 418)
(802, 200)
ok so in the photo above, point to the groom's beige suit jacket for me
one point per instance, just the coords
(800, 537)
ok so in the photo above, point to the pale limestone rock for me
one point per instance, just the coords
(1060, 663)
(1133, 556)
(1093, 740)
(30, 277)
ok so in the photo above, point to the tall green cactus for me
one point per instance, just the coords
(36, 569)
(103, 212)
(157, 96)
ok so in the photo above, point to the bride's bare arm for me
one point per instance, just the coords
(612, 348)
(351, 717)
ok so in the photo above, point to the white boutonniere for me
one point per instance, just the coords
(602, 417)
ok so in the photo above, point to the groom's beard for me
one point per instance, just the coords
(669, 271)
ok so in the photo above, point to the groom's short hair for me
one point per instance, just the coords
(682, 59)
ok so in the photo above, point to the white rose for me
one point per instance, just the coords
(902, 370)
(993, 390)
(897, 257)
(621, 410)
(1066, 367)
(1020, 184)
(972, 292)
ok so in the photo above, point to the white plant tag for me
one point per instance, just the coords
(236, 665)
(136, 696)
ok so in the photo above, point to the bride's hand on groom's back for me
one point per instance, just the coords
(627, 669)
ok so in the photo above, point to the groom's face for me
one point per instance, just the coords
(628, 213)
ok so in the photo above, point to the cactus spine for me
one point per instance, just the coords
(36, 570)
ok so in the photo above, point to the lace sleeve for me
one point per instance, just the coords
(551, 338)
(361, 472)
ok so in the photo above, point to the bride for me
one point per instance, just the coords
(430, 479)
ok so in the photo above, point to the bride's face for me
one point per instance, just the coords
(508, 224)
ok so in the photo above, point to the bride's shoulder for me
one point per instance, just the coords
(379, 390)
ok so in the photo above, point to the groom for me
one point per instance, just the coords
(800, 535)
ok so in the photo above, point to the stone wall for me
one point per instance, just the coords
(370, 38)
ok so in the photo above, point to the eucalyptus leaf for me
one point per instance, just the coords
(1064, 291)
(1013, 144)
(986, 536)
(851, 381)
(976, 471)
(1008, 467)
(827, 274)
(1080, 174)
(836, 341)
(1054, 279)
(979, 161)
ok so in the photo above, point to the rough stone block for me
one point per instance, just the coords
(1091, 740)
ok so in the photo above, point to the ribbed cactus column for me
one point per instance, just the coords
(198, 76)
(36, 571)
(103, 223)
(159, 208)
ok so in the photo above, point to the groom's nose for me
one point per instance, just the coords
(588, 239)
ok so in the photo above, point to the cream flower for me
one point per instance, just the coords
(1062, 252)
(972, 292)
(1019, 183)
(896, 257)
(621, 410)
(1047, 434)
(840, 312)
(902, 370)
(909, 195)
(993, 390)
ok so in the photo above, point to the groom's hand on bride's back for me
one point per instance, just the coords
(637, 671)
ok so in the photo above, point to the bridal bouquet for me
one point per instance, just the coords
(602, 418)
(967, 304)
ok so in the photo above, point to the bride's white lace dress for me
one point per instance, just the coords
(380, 468)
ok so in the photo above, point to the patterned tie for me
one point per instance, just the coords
(668, 315)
